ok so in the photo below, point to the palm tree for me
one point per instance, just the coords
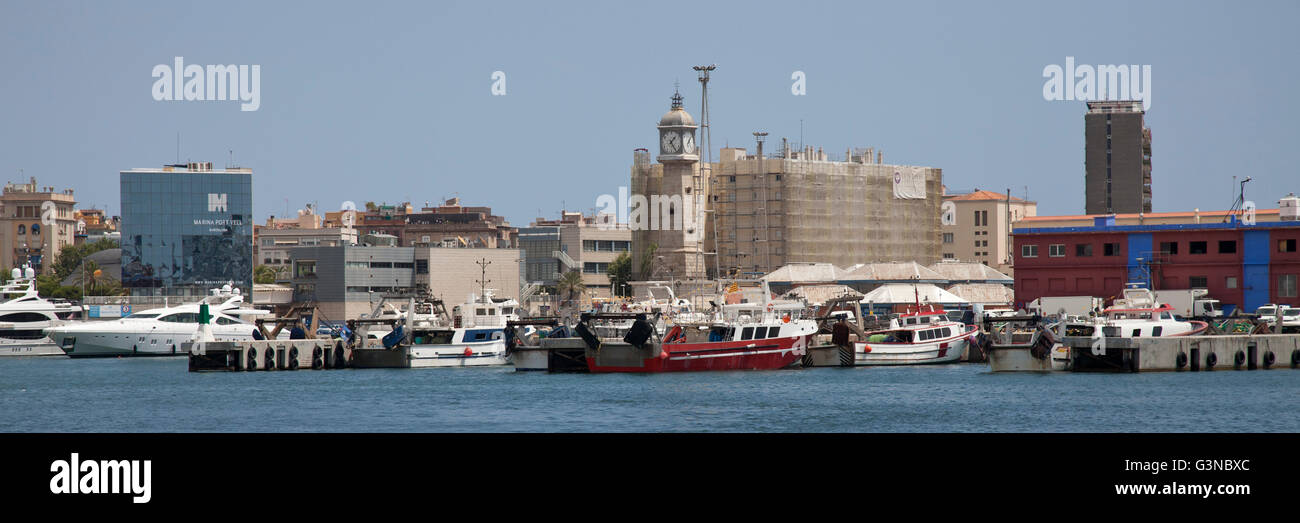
(95, 282)
(570, 284)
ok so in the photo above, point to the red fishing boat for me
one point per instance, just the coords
(749, 337)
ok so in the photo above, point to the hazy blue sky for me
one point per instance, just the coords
(391, 101)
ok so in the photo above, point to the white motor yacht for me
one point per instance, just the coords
(158, 332)
(24, 316)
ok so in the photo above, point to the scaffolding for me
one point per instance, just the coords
(800, 207)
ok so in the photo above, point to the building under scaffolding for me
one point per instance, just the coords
(805, 207)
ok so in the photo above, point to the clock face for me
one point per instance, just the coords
(688, 142)
(669, 143)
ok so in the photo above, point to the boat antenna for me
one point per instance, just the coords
(482, 281)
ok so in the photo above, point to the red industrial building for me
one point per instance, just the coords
(1243, 266)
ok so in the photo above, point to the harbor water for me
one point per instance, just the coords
(159, 395)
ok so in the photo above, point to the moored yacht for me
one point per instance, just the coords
(157, 332)
(24, 316)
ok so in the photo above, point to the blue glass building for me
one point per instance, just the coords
(186, 229)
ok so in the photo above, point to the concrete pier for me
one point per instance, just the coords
(552, 355)
(268, 355)
(1186, 353)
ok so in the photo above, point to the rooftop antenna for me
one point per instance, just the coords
(1237, 204)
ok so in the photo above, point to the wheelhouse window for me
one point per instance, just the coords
(1111, 249)
(1056, 250)
(1083, 249)
(1028, 251)
(1198, 247)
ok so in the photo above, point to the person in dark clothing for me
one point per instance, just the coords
(298, 333)
(257, 334)
(840, 333)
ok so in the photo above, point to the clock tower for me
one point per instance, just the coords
(673, 219)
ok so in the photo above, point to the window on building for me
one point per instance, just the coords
(1198, 247)
(1286, 286)
(947, 237)
(1230, 282)
(1056, 250)
(1028, 251)
(948, 256)
(304, 269)
(1197, 282)
(422, 266)
(1111, 249)
(1169, 247)
(1083, 249)
(1227, 247)
(1286, 245)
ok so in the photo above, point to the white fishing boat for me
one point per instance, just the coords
(24, 317)
(921, 335)
(1137, 314)
(474, 336)
(158, 332)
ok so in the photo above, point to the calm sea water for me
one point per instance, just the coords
(159, 395)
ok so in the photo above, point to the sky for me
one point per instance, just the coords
(393, 101)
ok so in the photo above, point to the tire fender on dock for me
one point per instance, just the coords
(1210, 360)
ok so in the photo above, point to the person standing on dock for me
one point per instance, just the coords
(840, 338)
